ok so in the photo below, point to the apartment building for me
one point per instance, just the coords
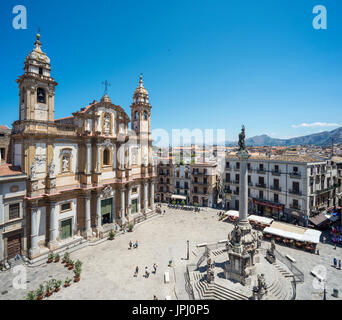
(182, 182)
(165, 180)
(204, 191)
(291, 188)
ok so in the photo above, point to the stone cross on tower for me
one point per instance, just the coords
(106, 84)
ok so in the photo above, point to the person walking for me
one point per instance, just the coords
(136, 244)
(339, 264)
(130, 245)
(335, 262)
(155, 268)
(164, 212)
(136, 271)
(146, 272)
(155, 297)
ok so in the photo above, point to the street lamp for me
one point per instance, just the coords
(188, 250)
(325, 292)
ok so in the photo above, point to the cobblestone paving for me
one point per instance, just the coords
(108, 267)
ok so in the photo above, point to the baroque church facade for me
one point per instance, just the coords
(87, 173)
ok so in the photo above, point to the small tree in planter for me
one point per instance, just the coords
(49, 288)
(66, 257)
(130, 227)
(111, 235)
(77, 271)
(71, 265)
(31, 296)
(50, 257)
(57, 284)
(40, 292)
(57, 257)
(67, 282)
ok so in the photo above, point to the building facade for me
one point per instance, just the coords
(12, 212)
(87, 172)
(203, 191)
(5, 137)
(289, 188)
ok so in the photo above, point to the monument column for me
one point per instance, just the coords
(243, 215)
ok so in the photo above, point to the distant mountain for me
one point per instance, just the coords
(317, 139)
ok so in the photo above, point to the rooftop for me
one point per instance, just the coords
(7, 170)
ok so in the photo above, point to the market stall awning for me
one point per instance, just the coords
(232, 213)
(178, 197)
(319, 219)
(295, 233)
(262, 220)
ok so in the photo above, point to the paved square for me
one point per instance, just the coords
(108, 267)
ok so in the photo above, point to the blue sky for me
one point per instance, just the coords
(206, 64)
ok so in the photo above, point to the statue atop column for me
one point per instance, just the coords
(242, 139)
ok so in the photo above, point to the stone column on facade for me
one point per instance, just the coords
(98, 212)
(152, 195)
(88, 230)
(129, 200)
(89, 158)
(145, 196)
(98, 169)
(139, 198)
(34, 250)
(114, 156)
(114, 207)
(122, 210)
(53, 226)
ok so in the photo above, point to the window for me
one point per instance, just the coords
(40, 70)
(205, 181)
(14, 211)
(145, 115)
(66, 206)
(227, 164)
(295, 203)
(248, 166)
(238, 165)
(261, 194)
(227, 176)
(276, 168)
(237, 177)
(136, 115)
(134, 190)
(295, 169)
(276, 183)
(41, 97)
(249, 179)
(105, 157)
(261, 167)
(276, 198)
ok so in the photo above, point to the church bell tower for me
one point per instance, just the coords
(36, 87)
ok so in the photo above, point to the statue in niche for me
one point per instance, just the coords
(106, 124)
(65, 164)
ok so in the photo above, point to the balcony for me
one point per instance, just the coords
(260, 171)
(228, 191)
(296, 207)
(250, 184)
(276, 188)
(260, 185)
(276, 173)
(236, 192)
(236, 168)
(235, 182)
(296, 192)
(295, 175)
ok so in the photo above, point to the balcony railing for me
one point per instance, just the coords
(293, 206)
(276, 188)
(276, 173)
(260, 185)
(236, 168)
(260, 171)
(236, 192)
(250, 184)
(228, 191)
(296, 175)
(235, 182)
(296, 192)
